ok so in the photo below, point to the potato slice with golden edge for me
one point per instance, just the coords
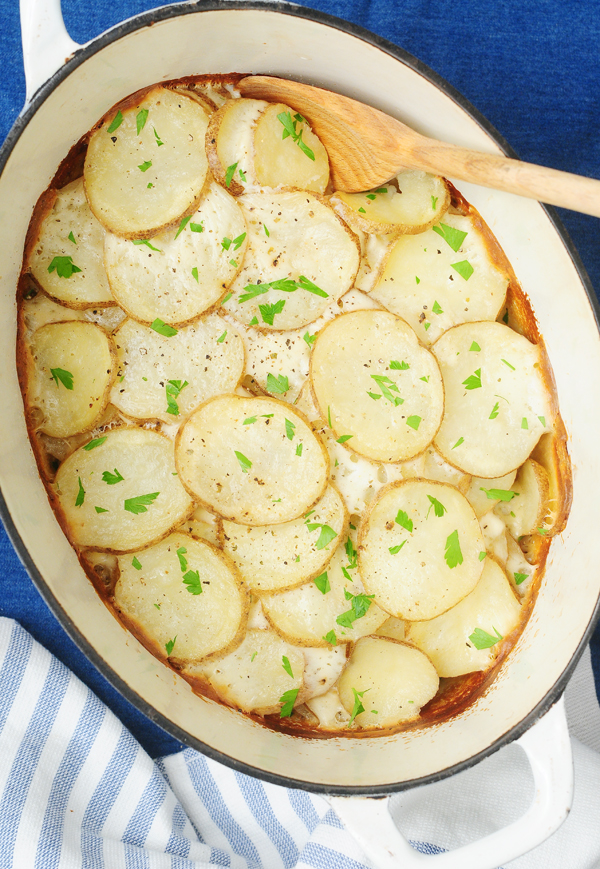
(256, 675)
(309, 254)
(331, 609)
(287, 153)
(122, 493)
(72, 370)
(203, 525)
(437, 282)
(551, 453)
(419, 200)
(182, 272)
(230, 143)
(497, 403)
(67, 257)
(419, 549)
(146, 165)
(525, 512)
(184, 596)
(483, 494)
(208, 357)
(254, 461)
(393, 628)
(373, 380)
(430, 465)
(466, 637)
(520, 572)
(277, 557)
(386, 682)
(322, 668)
(39, 310)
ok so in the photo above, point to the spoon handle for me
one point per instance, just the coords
(502, 173)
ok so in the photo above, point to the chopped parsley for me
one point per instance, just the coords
(394, 550)
(299, 450)
(170, 644)
(414, 422)
(399, 366)
(159, 141)
(310, 339)
(475, 348)
(268, 312)
(512, 367)
(387, 386)
(473, 381)
(464, 269)
(222, 337)
(330, 638)
(289, 129)
(280, 384)
(403, 520)
(163, 328)
(482, 640)
(136, 563)
(245, 464)
(524, 423)
(458, 443)
(285, 663)
(195, 276)
(482, 555)
(453, 554)
(145, 241)
(438, 507)
(249, 420)
(65, 377)
(325, 537)
(72, 238)
(322, 583)
(267, 233)
(495, 411)
(116, 122)
(140, 503)
(141, 118)
(434, 201)
(288, 698)
(358, 707)
(196, 227)
(360, 604)
(143, 167)
(95, 442)
(181, 553)
(520, 577)
(499, 494)
(182, 225)
(453, 237)
(112, 479)
(64, 266)
(344, 438)
(437, 308)
(192, 580)
(230, 173)
(289, 429)
(80, 494)
(173, 388)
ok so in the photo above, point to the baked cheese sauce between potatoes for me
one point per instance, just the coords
(305, 443)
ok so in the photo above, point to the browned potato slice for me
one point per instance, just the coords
(208, 357)
(182, 272)
(375, 382)
(332, 608)
(309, 254)
(72, 370)
(203, 525)
(255, 461)
(183, 596)
(494, 535)
(329, 710)
(277, 557)
(67, 257)
(520, 572)
(256, 676)
(484, 494)
(466, 637)
(230, 143)
(430, 465)
(419, 548)
(386, 682)
(146, 165)
(551, 453)
(122, 493)
(298, 160)
(437, 282)
(40, 310)
(497, 403)
(526, 510)
(419, 200)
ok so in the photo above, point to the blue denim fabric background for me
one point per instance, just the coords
(531, 67)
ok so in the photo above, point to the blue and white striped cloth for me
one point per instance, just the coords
(76, 790)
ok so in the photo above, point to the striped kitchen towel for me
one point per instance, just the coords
(76, 790)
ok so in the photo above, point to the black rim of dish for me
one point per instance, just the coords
(164, 13)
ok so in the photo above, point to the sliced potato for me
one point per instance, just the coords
(322, 668)
(281, 159)
(430, 465)
(203, 525)
(331, 609)
(494, 535)
(40, 310)
(208, 357)
(230, 143)
(417, 202)
(375, 382)
(184, 597)
(308, 247)
(121, 515)
(497, 403)
(329, 711)
(393, 628)
(182, 272)
(146, 165)
(435, 282)
(73, 367)
(419, 548)
(277, 557)
(526, 510)
(253, 677)
(551, 453)
(459, 641)
(255, 461)
(386, 682)
(520, 572)
(67, 257)
(484, 494)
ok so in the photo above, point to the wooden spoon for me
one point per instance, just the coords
(366, 148)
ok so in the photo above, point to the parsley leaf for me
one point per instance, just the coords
(72, 238)
(495, 411)
(140, 503)
(289, 429)
(403, 520)
(310, 339)
(170, 644)
(65, 377)
(267, 233)
(358, 707)
(196, 227)
(141, 118)
(474, 381)
(159, 141)
(195, 276)
(143, 167)
(344, 438)
(222, 337)
(136, 563)
(394, 550)
(499, 494)
(173, 388)
(182, 225)
(237, 242)
(100, 510)
(299, 449)
(181, 552)
(305, 284)
(438, 507)
(512, 367)
(64, 266)
(268, 312)
(434, 201)
(360, 604)
(245, 464)
(322, 583)
(325, 537)
(399, 366)
(520, 577)
(458, 443)
(112, 479)
(482, 640)
(453, 237)
(230, 173)
(289, 129)
(145, 241)
(285, 663)
(464, 269)
(288, 698)
(192, 580)
(453, 553)
(330, 638)
(249, 420)
(95, 442)
(482, 555)
(475, 348)
(414, 422)
(387, 386)
(116, 122)
(280, 384)
(436, 308)
(163, 328)
(80, 494)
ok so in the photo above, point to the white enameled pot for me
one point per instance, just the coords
(68, 88)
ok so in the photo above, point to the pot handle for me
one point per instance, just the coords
(548, 750)
(46, 43)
